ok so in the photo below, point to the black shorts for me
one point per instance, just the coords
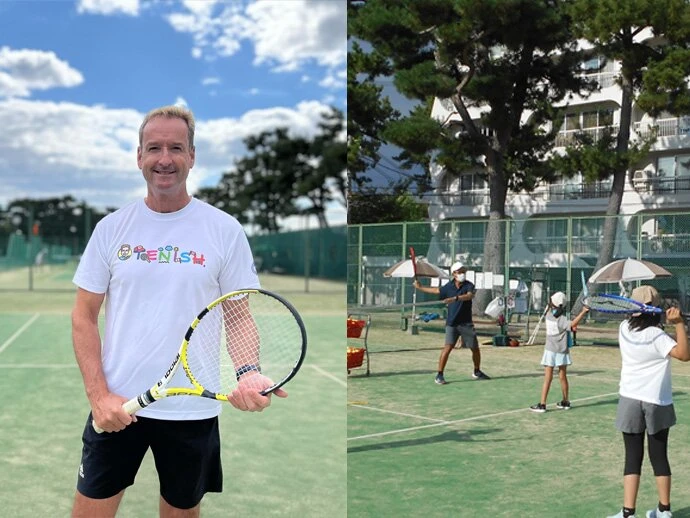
(186, 453)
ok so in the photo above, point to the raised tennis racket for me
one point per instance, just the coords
(607, 303)
(242, 331)
(413, 256)
(585, 291)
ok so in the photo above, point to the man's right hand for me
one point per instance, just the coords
(108, 413)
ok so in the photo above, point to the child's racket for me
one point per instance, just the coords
(242, 333)
(606, 303)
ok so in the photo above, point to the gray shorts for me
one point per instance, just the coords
(635, 416)
(466, 331)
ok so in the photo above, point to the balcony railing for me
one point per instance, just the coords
(566, 138)
(662, 185)
(672, 127)
(545, 192)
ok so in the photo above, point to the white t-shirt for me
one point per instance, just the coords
(158, 272)
(646, 366)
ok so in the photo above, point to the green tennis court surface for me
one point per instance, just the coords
(472, 448)
(286, 461)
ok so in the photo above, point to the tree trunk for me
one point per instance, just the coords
(494, 237)
(610, 230)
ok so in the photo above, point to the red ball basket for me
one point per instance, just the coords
(355, 357)
(354, 328)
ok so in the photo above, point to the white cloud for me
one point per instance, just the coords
(289, 33)
(24, 70)
(285, 35)
(55, 149)
(108, 7)
(210, 81)
(334, 79)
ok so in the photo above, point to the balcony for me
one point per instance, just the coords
(662, 185)
(567, 138)
(672, 127)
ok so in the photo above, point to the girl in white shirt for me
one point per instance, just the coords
(645, 403)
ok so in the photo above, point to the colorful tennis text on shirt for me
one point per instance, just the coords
(161, 255)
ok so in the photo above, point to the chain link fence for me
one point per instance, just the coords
(540, 255)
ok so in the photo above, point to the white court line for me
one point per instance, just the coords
(328, 375)
(467, 419)
(39, 366)
(18, 332)
(374, 409)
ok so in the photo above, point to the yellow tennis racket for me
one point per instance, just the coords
(242, 332)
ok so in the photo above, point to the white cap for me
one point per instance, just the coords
(558, 299)
(457, 265)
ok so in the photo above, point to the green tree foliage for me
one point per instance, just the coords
(368, 207)
(61, 221)
(496, 56)
(368, 111)
(283, 176)
(650, 39)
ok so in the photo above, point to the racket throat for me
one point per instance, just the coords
(146, 399)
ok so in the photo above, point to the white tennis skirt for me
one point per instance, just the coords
(552, 359)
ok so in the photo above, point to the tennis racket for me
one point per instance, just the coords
(585, 291)
(607, 303)
(242, 331)
(413, 256)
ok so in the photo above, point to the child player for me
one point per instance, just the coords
(556, 352)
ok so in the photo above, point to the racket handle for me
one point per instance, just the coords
(132, 406)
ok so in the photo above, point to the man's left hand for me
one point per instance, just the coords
(247, 396)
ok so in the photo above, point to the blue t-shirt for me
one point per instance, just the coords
(459, 312)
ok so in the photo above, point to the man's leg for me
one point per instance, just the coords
(168, 511)
(443, 359)
(85, 507)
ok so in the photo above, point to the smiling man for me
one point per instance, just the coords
(165, 155)
(154, 263)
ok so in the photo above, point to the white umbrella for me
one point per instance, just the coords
(424, 269)
(626, 270)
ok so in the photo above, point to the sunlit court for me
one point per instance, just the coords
(473, 447)
(286, 461)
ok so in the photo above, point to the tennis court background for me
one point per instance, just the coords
(286, 461)
(549, 251)
(473, 448)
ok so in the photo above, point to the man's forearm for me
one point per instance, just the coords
(87, 350)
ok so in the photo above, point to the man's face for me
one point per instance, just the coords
(164, 155)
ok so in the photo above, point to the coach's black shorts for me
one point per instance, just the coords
(186, 453)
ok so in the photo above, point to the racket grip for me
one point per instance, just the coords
(130, 407)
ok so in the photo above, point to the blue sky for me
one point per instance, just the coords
(77, 77)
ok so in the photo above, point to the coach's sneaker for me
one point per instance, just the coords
(440, 380)
(655, 513)
(563, 405)
(538, 408)
(479, 375)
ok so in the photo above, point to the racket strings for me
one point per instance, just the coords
(253, 332)
(616, 304)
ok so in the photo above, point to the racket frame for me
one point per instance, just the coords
(639, 306)
(161, 390)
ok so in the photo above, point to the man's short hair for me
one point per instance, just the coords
(170, 112)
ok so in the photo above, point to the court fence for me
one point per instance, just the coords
(33, 263)
(540, 255)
